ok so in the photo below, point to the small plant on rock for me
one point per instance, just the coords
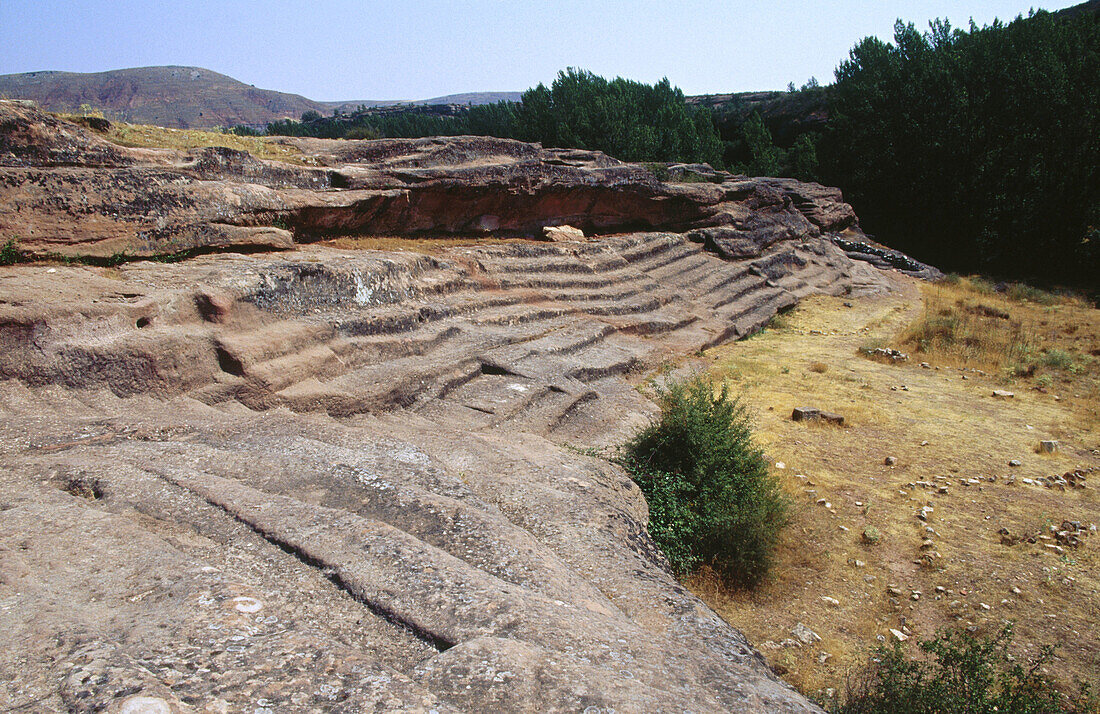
(712, 499)
(10, 253)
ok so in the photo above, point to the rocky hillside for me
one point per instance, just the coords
(178, 97)
(185, 97)
(312, 478)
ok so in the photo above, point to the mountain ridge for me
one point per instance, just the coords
(185, 97)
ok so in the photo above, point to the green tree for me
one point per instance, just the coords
(766, 158)
(976, 149)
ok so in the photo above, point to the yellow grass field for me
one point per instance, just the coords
(952, 441)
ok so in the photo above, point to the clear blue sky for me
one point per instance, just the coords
(341, 49)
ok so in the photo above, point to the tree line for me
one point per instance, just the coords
(974, 150)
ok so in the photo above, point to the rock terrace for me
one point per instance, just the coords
(318, 479)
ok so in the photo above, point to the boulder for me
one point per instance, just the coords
(562, 233)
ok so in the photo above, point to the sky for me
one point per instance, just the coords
(345, 50)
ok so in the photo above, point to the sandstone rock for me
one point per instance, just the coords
(321, 478)
(1048, 447)
(68, 191)
(562, 233)
(805, 413)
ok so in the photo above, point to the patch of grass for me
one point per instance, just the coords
(1020, 292)
(1057, 359)
(713, 500)
(954, 330)
(145, 136)
(819, 367)
(959, 674)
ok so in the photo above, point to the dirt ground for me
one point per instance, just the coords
(953, 442)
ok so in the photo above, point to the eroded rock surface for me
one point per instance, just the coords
(339, 480)
(64, 190)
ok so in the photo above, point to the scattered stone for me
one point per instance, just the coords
(822, 659)
(890, 354)
(925, 365)
(804, 634)
(898, 635)
(915, 595)
(805, 414)
(1015, 462)
(925, 512)
(832, 418)
(1003, 394)
(1048, 447)
(831, 601)
(890, 460)
(893, 590)
(780, 465)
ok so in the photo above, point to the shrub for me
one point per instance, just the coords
(712, 499)
(1058, 359)
(363, 132)
(1022, 292)
(961, 674)
(10, 253)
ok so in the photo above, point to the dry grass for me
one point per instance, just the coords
(1025, 336)
(892, 410)
(145, 136)
(427, 245)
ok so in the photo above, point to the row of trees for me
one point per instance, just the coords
(974, 150)
(626, 119)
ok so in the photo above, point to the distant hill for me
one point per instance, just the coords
(786, 114)
(469, 98)
(186, 97)
(1092, 6)
(178, 97)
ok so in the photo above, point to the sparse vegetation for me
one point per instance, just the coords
(158, 137)
(933, 425)
(958, 674)
(713, 500)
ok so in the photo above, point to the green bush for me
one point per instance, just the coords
(960, 674)
(1058, 359)
(712, 499)
(10, 253)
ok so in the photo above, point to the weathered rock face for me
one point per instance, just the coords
(64, 190)
(335, 480)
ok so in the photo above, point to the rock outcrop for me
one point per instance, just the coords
(63, 190)
(321, 479)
